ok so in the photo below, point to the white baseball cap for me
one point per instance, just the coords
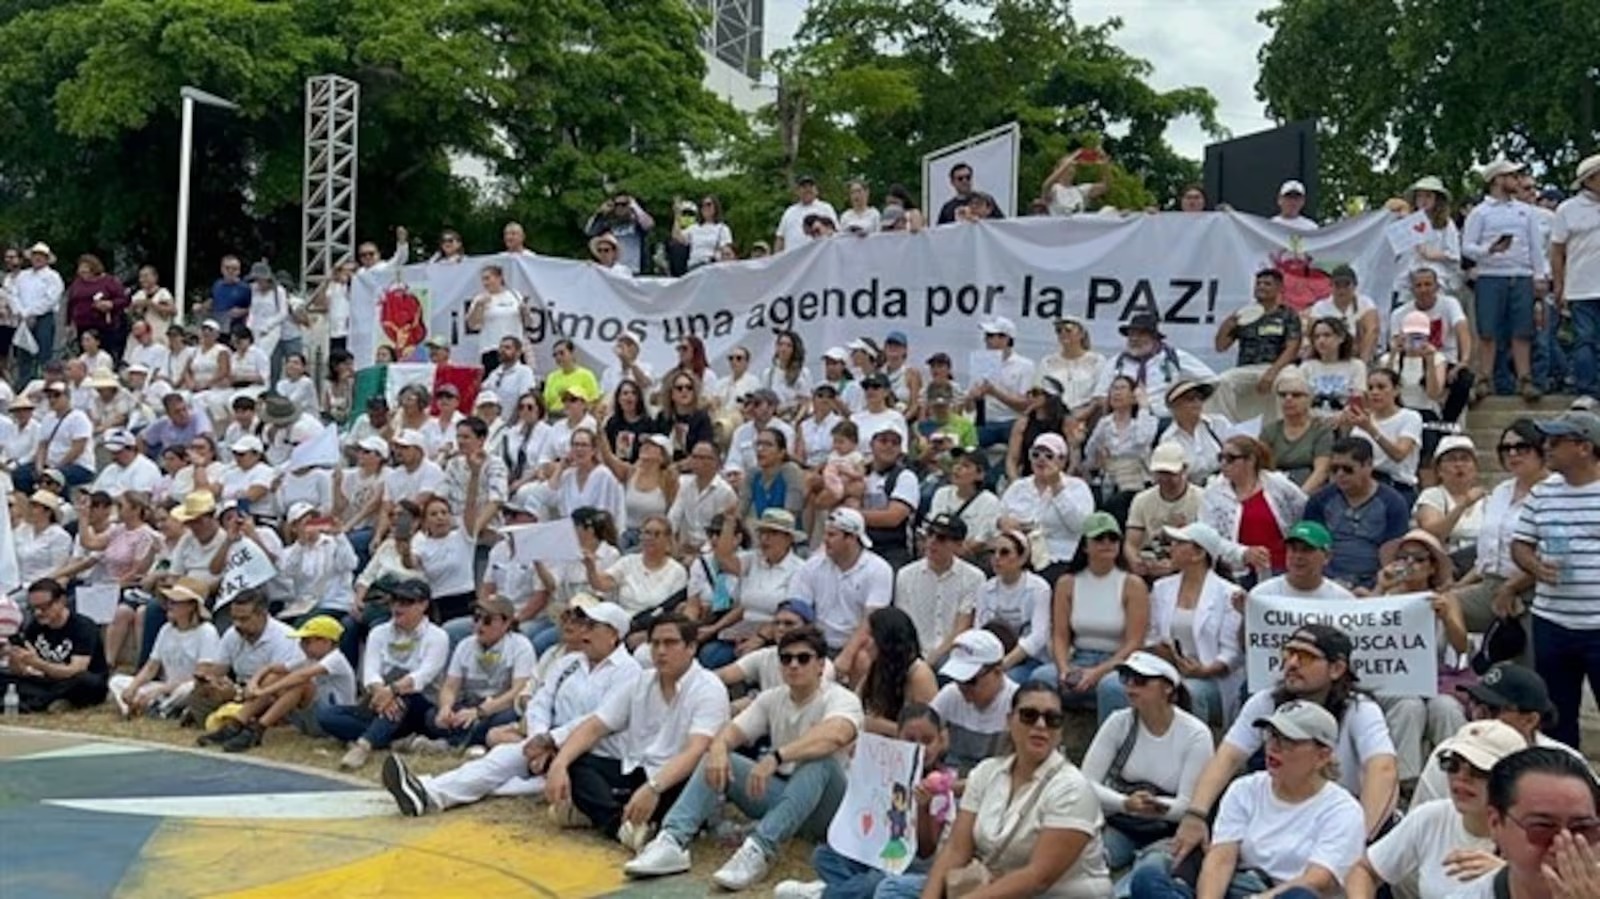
(1147, 664)
(1200, 534)
(850, 522)
(970, 653)
(1291, 186)
(1000, 325)
(249, 443)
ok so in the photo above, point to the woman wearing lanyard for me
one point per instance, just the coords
(524, 444)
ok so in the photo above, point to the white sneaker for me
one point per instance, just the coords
(748, 867)
(436, 746)
(635, 836)
(356, 756)
(660, 857)
(799, 889)
(567, 817)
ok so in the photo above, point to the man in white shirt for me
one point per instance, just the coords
(665, 724)
(579, 682)
(940, 590)
(1448, 331)
(401, 670)
(845, 583)
(370, 260)
(1316, 668)
(702, 494)
(513, 377)
(795, 787)
(485, 676)
(760, 413)
(1291, 202)
(1005, 392)
(36, 295)
(255, 641)
(1502, 236)
(145, 348)
(1575, 271)
(416, 477)
(129, 470)
(792, 227)
(1306, 548)
(976, 704)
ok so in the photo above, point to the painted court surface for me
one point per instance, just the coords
(89, 817)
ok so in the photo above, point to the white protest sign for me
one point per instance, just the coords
(248, 566)
(545, 541)
(1189, 269)
(321, 451)
(98, 602)
(1395, 639)
(992, 156)
(1406, 233)
(877, 820)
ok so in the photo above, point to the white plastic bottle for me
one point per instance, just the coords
(13, 706)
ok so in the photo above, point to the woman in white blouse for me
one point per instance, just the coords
(445, 552)
(251, 366)
(1051, 502)
(582, 481)
(1483, 593)
(163, 684)
(1440, 250)
(297, 385)
(358, 494)
(1194, 625)
(1031, 817)
(497, 312)
(42, 545)
(1394, 431)
(1074, 364)
(203, 471)
(1117, 452)
(1453, 509)
(763, 580)
(1145, 759)
(787, 375)
(249, 478)
(321, 566)
(646, 580)
(524, 444)
(559, 583)
(152, 302)
(1020, 600)
(707, 236)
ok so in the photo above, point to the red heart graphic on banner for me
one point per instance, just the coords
(866, 823)
(1420, 227)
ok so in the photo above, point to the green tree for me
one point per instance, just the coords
(1404, 88)
(873, 85)
(563, 98)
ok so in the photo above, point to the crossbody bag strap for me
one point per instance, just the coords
(1124, 750)
(1022, 816)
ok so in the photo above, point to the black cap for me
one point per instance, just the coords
(805, 179)
(1511, 686)
(976, 456)
(939, 359)
(825, 388)
(1142, 321)
(875, 380)
(1333, 643)
(412, 590)
(946, 525)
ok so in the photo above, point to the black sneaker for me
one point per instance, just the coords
(406, 789)
(221, 735)
(247, 738)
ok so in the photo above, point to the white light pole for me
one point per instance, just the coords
(191, 96)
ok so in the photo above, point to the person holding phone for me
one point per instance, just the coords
(1502, 237)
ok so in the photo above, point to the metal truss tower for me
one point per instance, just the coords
(734, 35)
(328, 196)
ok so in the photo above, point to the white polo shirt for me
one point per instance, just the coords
(843, 599)
(276, 646)
(1577, 227)
(657, 730)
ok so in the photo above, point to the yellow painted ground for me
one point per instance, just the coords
(436, 857)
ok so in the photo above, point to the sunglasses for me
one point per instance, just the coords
(652, 532)
(1132, 679)
(1511, 448)
(1342, 469)
(1415, 558)
(1541, 833)
(1455, 764)
(1005, 551)
(682, 388)
(737, 357)
(481, 617)
(1225, 458)
(796, 658)
(1031, 717)
(1290, 394)
(1041, 454)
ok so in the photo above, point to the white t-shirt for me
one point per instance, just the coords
(763, 668)
(705, 239)
(1172, 761)
(1067, 802)
(276, 645)
(447, 561)
(1443, 317)
(867, 221)
(1577, 226)
(180, 652)
(974, 731)
(869, 423)
(75, 425)
(1404, 423)
(1280, 586)
(1414, 851)
(1284, 839)
(1363, 736)
(502, 318)
(774, 714)
(792, 227)
(236, 481)
(762, 587)
(640, 589)
(1068, 199)
(488, 671)
(1327, 308)
(336, 685)
(1467, 526)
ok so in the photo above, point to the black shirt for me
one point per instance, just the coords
(78, 636)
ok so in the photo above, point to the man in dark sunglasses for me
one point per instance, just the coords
(487, 673)
(809, 722)
(1361, 513)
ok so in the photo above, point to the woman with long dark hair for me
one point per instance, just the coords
(629, 422)
(896, 673)
(707, 236)
(1489, 591)
(1046, 414)
(682, 418)
(787, 376)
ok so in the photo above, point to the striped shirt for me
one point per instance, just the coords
(1563, 522)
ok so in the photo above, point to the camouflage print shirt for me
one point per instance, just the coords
(1262, 341)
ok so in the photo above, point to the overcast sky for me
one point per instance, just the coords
(1210, 43)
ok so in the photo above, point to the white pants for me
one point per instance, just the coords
(1236, 397)
(120, 683)
(503, 772)
(1417, 725)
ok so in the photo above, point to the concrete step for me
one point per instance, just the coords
(1490, 417)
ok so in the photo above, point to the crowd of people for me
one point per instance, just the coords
(775, 558)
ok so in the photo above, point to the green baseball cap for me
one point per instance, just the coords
(1311, 533)
(1097, 523)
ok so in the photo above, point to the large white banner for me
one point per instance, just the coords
(993, 158)
(1190, 269)
(1396, 645)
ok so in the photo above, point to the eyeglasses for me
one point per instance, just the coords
(1451, 763)
(653, 532)
(1341, 468)
(1225, 458)
(1107, 537)
(1005, 551)
(1541, 832)
(737, 357)
(1030, 717)
(1040, 454)
(796, 658)
(1415, 558)
(1291, 394)
(682, 388)
(1511, 448)
(482, 617)
(1133, 679)
(1302, 655)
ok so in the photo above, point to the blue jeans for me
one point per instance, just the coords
(356, 722)
(361, 541)
(1549, 362)
(541, 632)
(1081, 658)
(1205, 699)
(1505, 313)
(25, 478)
(44, 333)
(805, 800)
(1027, 670)
(1586, 330)
(997, 433)
(715, 654)
(458, 629)
(1151, 880)
(1563, 657)
(849, 879)
(901, 886)
(477, 734)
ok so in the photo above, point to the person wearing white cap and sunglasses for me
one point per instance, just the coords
(1144, 760)
(1051, 503)
(1005, 396)
(1288, 832)
(1575, 270)
(1291, 203)
(1501, 235)
(976, 703)
(845, 583)
(1441, 845)
(249, 478)
(128, 469)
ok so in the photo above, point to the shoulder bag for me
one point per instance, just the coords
(1141, 829)
(976, 874)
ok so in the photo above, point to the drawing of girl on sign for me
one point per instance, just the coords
(895, 850)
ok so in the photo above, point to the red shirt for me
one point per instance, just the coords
(1259, 527)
